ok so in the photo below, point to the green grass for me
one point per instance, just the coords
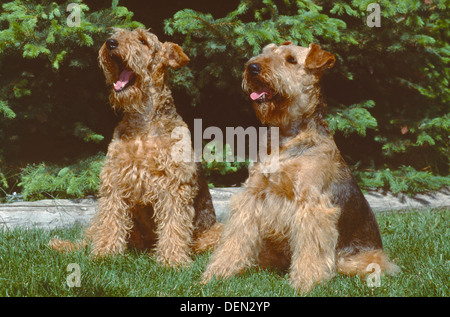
(417, 241)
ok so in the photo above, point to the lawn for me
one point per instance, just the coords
(418, 241)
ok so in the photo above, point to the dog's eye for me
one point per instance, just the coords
(143, 41)
(291, 59)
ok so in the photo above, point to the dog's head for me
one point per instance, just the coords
(133, 62)
(283, 81)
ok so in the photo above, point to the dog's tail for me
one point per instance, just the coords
(207, 239)
(66, 246)
(365, 262)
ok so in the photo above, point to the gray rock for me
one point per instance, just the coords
(64, 213)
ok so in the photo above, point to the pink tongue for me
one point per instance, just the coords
(124, 78)
(258, 94)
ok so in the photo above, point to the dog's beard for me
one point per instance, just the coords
(271, 107)
(126, 93)
(258, 90)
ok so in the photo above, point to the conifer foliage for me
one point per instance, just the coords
(50, 91)
(388, 95)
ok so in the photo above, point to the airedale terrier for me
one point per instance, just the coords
(309, 214)
(148, 199)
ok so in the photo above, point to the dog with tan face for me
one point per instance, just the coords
(148, 199)
(308, 215)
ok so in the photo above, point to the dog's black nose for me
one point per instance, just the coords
(111, 44)
(254, 68)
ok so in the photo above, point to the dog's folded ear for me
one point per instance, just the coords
(318, 59)
(174, 55)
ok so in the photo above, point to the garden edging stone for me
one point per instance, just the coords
(65, 213)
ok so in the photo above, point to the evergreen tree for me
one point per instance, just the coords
(51, 89)
(388, 93)
(388, 96)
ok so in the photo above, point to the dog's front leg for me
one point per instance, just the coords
(110, 227)
(240, 243)
(173, 202)
(313, 238)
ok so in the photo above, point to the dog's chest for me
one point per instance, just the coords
(139, 150)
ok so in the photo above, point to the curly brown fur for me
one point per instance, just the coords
(148, 199)
(309, 214)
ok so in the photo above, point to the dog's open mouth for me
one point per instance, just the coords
(262, 95)
(126, 79)
(126, 76)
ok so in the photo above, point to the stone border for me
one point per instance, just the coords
(64, 213)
